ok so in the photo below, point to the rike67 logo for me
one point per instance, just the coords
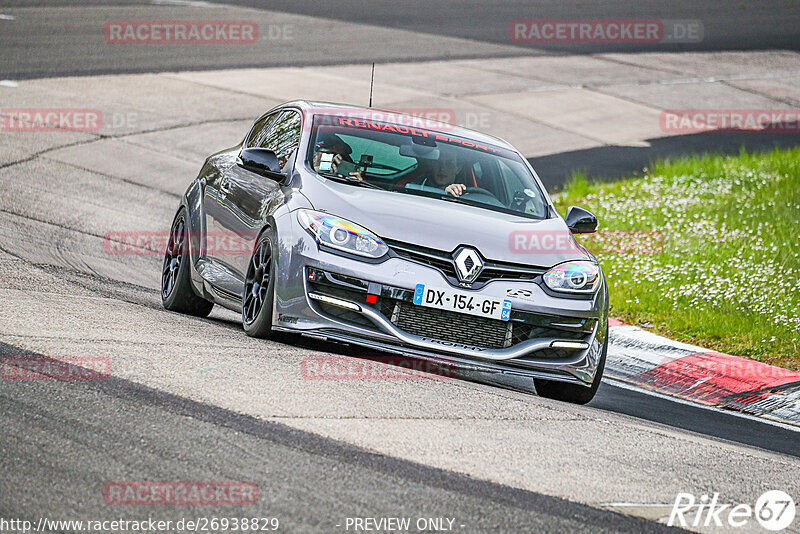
(774, 511)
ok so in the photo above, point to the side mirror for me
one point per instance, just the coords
(261, 161)
(580, 221)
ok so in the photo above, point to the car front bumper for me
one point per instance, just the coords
(323, 295)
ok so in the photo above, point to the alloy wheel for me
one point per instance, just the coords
(173, 257)
(257, 282)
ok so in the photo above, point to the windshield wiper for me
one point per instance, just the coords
(349, 180)
(467, 202)
(443, 196)
(429, 194)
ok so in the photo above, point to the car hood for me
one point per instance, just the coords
(444, 226)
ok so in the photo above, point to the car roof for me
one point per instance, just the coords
(329, 107)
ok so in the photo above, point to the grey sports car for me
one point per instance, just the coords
(395, 233)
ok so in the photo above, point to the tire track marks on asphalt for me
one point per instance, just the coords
(122, 136)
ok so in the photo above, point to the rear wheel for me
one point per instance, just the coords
(176, 287)
(573, 393)
(259, 288)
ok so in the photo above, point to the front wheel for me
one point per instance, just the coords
(573, 393)
(176, 287)
(259, 290)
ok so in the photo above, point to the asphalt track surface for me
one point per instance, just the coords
(738, 26)
(68, 39)
(194, 399)
(87, 434)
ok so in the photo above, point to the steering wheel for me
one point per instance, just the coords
(478, 191)
(482, 195)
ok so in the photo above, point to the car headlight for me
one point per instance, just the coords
(340, 234)
(573, 277)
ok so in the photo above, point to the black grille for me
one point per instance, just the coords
(546, 354)
(395, 305)
(451, 326)
(468, 329)
(387, 307)
(492, 273)
(346, 316)
(444, 264)
(523, 332)
(443, 261)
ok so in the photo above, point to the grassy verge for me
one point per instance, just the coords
(704, 250)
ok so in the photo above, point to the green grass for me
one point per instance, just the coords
(704, 250)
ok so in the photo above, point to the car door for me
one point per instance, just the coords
(250, 197)
(218, 268)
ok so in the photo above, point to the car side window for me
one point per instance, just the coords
(283, 136)
(259, 131)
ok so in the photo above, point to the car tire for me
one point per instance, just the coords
(573, 393)
(176, 287)
(259, 288)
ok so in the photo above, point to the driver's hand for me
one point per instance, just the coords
(357, 175)
(455, 189)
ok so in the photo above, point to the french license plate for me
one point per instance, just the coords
(462, 302)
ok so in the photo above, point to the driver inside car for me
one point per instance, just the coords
(441, 173)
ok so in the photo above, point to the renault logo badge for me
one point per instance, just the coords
(468, 264)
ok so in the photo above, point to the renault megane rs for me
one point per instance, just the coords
(376, 229)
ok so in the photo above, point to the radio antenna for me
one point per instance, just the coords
(371, 81)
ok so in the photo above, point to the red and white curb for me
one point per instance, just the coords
(652, 362)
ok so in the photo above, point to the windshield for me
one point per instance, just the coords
(415, 161)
